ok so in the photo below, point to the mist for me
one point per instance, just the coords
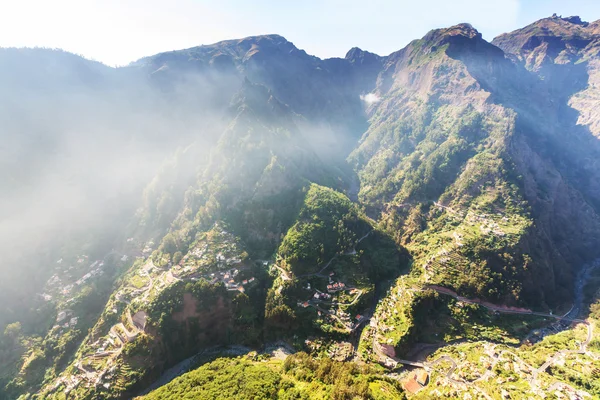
(80, 142)
(93, 156)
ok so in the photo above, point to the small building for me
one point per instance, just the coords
(61, 316)
(73, 321)
(422, 377)
(417, 381)
(305, 304)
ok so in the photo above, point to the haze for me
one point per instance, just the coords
(116, 32)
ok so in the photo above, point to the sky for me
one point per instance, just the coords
(117, 32)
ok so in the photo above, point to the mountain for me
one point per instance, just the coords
(564, 52)
(248, 199)
(460, 165)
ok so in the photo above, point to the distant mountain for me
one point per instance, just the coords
(564, 52)
(246, 192)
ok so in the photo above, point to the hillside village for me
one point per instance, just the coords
(217, 258)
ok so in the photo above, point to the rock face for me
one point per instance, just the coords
(564, 52)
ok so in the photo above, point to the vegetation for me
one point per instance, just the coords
(328, 224)
(298, 377)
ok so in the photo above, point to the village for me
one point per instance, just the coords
(217, 259)
(324, 303)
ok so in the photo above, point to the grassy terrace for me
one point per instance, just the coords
(503, 370)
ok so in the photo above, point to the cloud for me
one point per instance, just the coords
(370, 98)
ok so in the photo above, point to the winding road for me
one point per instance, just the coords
(570, 316)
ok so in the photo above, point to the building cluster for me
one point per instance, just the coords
(334, 287)
(55, 283)
(321, 296)
(147, 250)
(95, 270)
(230, 279)
(65, 319)
(222, 260)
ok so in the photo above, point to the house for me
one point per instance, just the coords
(411, 386)
(245, 282)
(359, 317)
(46, 297)
(422, 377)
(305, 304)
(316, 296)
(251, 280)
(61, 316)
(416, 382)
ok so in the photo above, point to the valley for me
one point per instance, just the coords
(418, 225)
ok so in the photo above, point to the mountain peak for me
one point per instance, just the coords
(359, 56)
(555, 39)
(462, 29)
(575, 19)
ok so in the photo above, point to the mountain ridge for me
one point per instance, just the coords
(292, 198)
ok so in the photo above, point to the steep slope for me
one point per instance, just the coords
(243, 198)
(325, 92)
(466, 168)
(474, 177)
(565, 52)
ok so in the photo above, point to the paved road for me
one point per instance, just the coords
(581, 350)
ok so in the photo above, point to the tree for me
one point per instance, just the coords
(12, 331)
